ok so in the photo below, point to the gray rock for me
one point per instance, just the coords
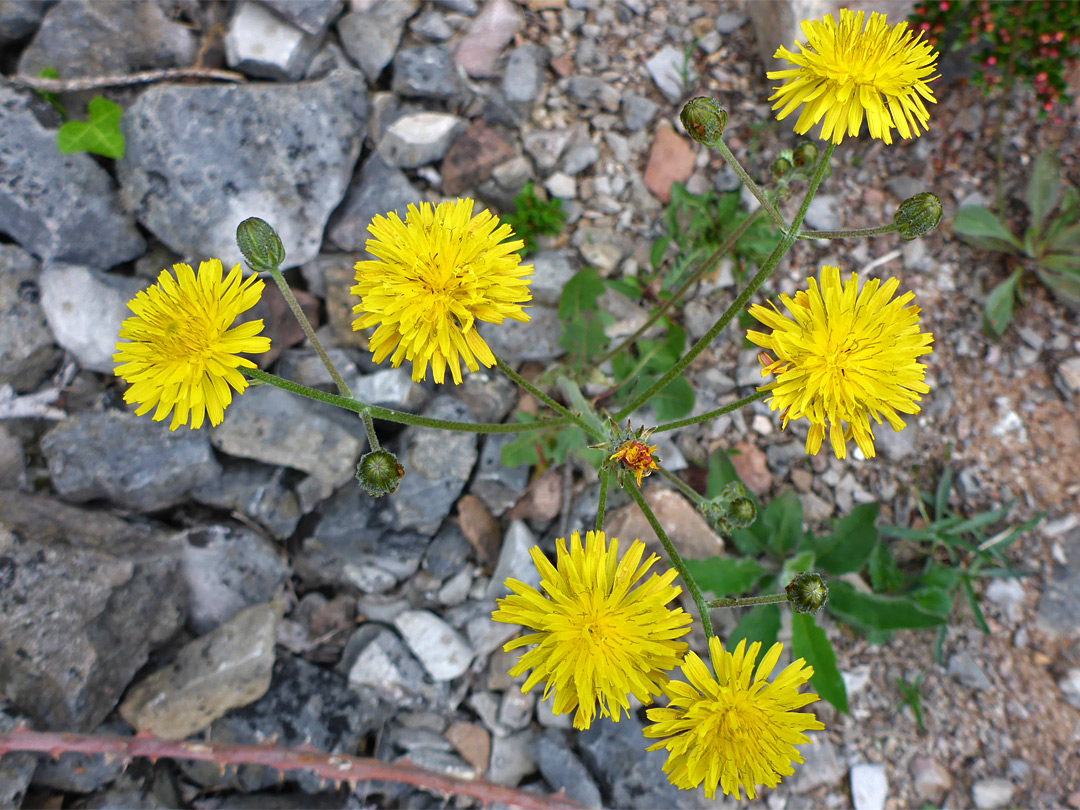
(200, 159)
(390, 388)
(579, 156)
(1067, 378)
(545, 147)
(84, 309)
(523, 75)
(379, 662)
(259, 492)
(514, 561)
(1056, 612)
(485, 634)
(496, 485)
(130, 460)
(226, 668)
(85, 38)
(81, 773)
(261, 43)
(305, 705)
(966, 669)
(313, 16)
(487, 393)
(227, 569)
(437, 465)
(12, 461)
(594, 93)
(377, 188)
(869, 786)
(270, 425)
(149, 790)
(353, 535)
(1069, 684)
(18, 19)
(37, 186)
(304, 366)
(431, 25)
(417, 139)
(27, 352)
(665, 68)
(516, 342)
(1008, 595)
(447, 553)
(897, 445)
(563, 771)
(512, 758)
(16, 768)
(990, 794)
(824, 213)
(370, 39)
(86, 597)
(816, 510)
(821, 765)
(516, 708)
(438, 646)
(930, 779)
(426, 71)
(551, 271)
(637, 112)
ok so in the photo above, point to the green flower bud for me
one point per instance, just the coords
(781, 168)
(807, 593)
(732, 509)
(379, 473)
(260, 244)
(704, 120)
(806, 155)
(917, 215)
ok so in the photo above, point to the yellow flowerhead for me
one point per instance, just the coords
(600, 633)
(638, 458)
(844, 355)
(736, 730)
(437, 274)
(847, 72)
(184, 352)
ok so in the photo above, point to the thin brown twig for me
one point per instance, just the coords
(336, 768)
(144, 77)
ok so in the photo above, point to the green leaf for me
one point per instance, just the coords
(884, 573)
(628, 286)
(761, 623)
(1061, 274)
(781, 523)
(1044, 187)
(941, 494)
(674, 401)
(52, 98)
(578, 402)
(583, 335)
(798, 564)
(580, 293)
(1067, 241)
(100, 134)
(1000, 304)
(868, 611)
(973, 603)
(721, 472)
(978, 227)
(726, 576)
(656, 255)
(524, 447)
(808, 641)
(850, 544)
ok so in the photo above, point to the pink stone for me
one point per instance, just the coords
(491, 31)
(671, 160)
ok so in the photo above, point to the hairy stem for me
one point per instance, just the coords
(748, 181)
(746, 601)
(704, 417)
(602, 504)
(527, 386)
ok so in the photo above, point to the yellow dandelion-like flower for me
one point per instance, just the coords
(638, 458)
(844, 355)
(738, 729)
(437, 274)
(847, 72)
(184, 352)
(600, 633)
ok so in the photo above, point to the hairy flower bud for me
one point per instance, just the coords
(805, 155)
(917, 215)
(260, 244)
(781, 168)
(732, 509)
(379, 473)
(704, 120)
(807, 593)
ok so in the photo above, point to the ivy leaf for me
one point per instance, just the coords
(100, 134)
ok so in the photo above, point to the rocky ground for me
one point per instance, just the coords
(164, 579)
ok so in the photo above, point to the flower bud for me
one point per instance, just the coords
(704, 120)
(807, 593)
(260, 245)
(379, 473)
(805, 155)
(781, 168)
(917, 215)
(732, 509)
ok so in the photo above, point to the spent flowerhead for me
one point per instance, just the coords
(844, 356)
(184, 352)
(637, 457)
(847, 72)
(434, 277)
(734, 729)
(601, 633)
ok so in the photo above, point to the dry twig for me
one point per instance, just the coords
(145, 77)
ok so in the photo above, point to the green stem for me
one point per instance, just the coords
(676, 560)
(746, 601)
(739, 303)
(696, 276)
(854, 233)
(682, 486)
(755, 189)
(305, 324)
(603, 501)
(693, 420)
(369, 428)
(390, 415)
(525, 385)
